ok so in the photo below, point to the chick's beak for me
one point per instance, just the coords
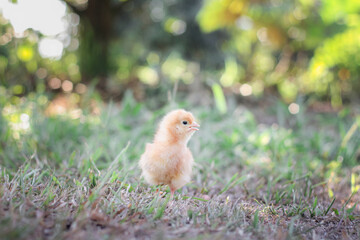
(194, 126)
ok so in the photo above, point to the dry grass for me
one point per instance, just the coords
(78, 179)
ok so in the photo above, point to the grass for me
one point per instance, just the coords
(75, 176)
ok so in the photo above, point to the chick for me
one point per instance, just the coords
(168, 160)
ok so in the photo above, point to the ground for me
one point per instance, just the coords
(260, 173)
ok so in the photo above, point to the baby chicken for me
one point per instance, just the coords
(168, 160)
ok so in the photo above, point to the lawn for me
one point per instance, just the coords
(260, 173)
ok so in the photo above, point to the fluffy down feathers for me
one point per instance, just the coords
(168, 160)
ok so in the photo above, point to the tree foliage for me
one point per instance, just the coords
(298, 47)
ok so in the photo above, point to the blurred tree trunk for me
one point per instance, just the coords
(95, 33)
(96, 27)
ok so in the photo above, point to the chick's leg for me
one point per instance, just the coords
(172, 190)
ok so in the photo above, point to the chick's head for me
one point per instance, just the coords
(178, 125)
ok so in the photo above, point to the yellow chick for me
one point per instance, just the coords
(168, 160)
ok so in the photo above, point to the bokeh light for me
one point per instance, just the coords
(245, 89)
(67, 86)
(50, 48)
(294, 108)
(41, 73)
(55, 83)
(148, 76)
(80, 88)
(45, 16)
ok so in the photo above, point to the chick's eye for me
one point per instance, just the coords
(185, 122)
